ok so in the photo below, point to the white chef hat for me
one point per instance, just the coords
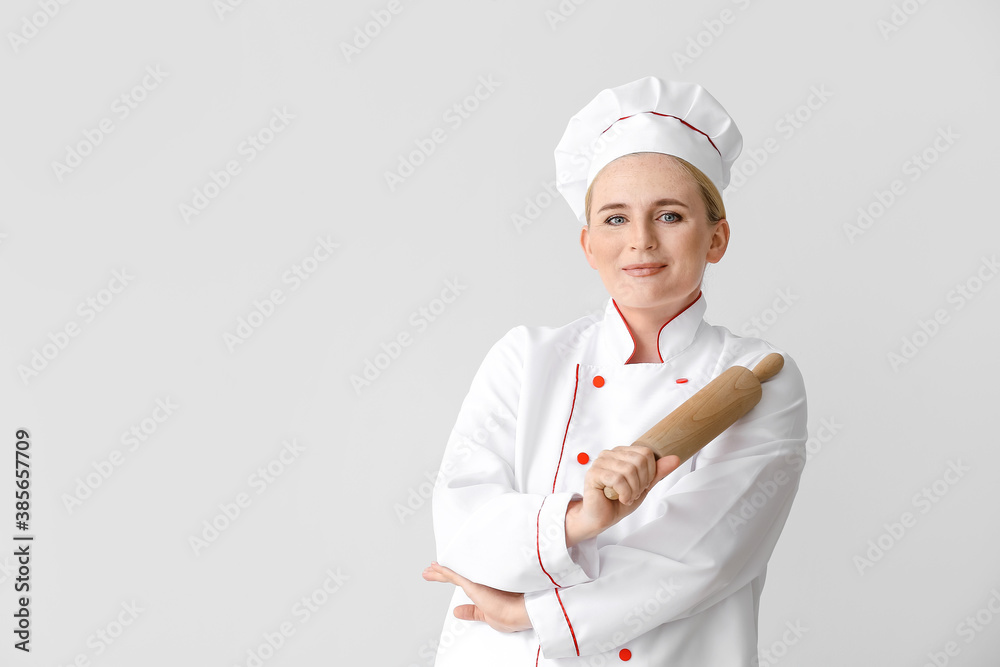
(649, 115)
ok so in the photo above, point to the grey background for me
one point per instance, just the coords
(336, 506)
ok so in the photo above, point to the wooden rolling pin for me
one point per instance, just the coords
(713, 409)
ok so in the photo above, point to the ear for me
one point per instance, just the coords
(720, 241)
(585, 244)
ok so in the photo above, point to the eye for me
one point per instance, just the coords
(612, 220)
(673, 217)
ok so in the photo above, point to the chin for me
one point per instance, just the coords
(659, 298)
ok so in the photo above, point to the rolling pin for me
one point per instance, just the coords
(713, 409)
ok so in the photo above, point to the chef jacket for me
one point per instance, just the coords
(678, 581)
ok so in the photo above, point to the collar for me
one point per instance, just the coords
(675, 335)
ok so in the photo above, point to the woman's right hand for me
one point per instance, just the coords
(631, 471)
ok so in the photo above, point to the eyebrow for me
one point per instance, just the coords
(659, 202)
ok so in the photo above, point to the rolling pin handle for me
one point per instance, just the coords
(769, 366)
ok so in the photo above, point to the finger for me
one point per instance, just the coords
(437, 572)
(666, 465)
(650, 460)
(622, 475)
(468, 612)
(602, 477)
(645, 461)
(430, 575)
(614, 469)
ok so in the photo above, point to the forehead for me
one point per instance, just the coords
(639, 177)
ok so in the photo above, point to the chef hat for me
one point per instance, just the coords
(648, 115)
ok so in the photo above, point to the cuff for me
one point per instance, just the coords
(551, 624)
(565, 567)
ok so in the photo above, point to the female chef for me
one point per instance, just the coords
(548, 571)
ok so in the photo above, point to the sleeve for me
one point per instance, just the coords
(713, 533)
(484, 527)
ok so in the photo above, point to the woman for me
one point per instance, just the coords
(548, 570)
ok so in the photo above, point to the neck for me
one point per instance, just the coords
(645, 325)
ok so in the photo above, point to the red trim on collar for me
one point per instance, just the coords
(666, 115)
(627, 327)
(625, 322)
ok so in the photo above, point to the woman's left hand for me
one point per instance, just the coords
(501, 610)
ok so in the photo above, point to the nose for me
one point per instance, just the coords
(643, 236)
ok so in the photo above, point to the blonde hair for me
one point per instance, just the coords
(710, 194)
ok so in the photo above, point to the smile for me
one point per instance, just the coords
(640, 270)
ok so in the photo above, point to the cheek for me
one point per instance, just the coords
(609, 260)
(693, 247)
(603, 251)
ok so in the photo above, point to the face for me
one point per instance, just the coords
(649, 236)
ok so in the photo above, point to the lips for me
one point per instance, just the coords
(646, 269)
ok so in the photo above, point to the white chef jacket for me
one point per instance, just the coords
(678, 581)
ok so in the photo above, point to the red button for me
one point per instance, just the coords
(598, 381)
(681, 380)
(582, 458)
(625, 654)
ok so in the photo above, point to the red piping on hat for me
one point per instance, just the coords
(666, 115)
(634, 346)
